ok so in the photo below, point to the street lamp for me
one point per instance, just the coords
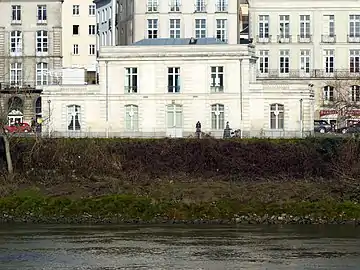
(49, 116)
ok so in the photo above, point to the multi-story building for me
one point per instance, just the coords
(139, 19)
(316, 41)
(30, 49)
(106, 18)
(79, 38)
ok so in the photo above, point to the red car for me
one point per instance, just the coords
(18, 128)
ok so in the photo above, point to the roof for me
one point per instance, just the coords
(177, 41)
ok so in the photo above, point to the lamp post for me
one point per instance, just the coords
(49, 117)
(107, 97)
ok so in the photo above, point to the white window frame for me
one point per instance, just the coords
(174, 113)
(200, 28)
(41, 14)
(92, 49)
(16, 44)
(175, 28)
(92, 29)
(131, 117)
(76, 10)
(92, 10)
(328, 93)
(354, 61)
(305, 29)
(42, 71)
(354, 28)
(175, 5)
(284, 62)
(217, 116)
(284, 21)
(221, 29)
(329, 61)
(16, 14)
(328, 31)
(263, 28)
(152, 6)
(75, 49)
(221, 5)
(174, 84)
(305, 63)
(42, 42)
(152, 28)
(277, 116)
(217, 79)
(264, 62)
(131, 80)
(355, 93)
(200, 6)
(74, 116)
(16, 74)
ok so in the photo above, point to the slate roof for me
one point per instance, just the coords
(177, 41)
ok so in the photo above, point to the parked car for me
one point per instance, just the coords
(18, 128)
(353, 128)
(322, 126)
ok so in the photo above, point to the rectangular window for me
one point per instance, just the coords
(131, 80)
(92, 10)
(276, 116)
(217, 79)
(305, 33)
(328, 32)
(200, 6)
(354, 61)
(355, 93)
(175, 6)
(173, 80)
(284, 62)
(152, 5)
(305, 62)
(41, 74)
(174, 28)
(76, 49)
(221, 5)
(217, 116)
(16, 43)
(152, 28)
(284, 28)
(16, 14)
(76, 10)
(264, 29)
(329, 61)
(42, 41)
(354, 31)
(76, 30)
(132, 117)
(91, 49)
(221, 29)
(41, 14)
(200, 28)
(264, 62)
(16, 74)
(92, 29)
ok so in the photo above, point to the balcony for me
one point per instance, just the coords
(314, 73)
(221, 7)
(216, 88)
(175, 7)
(284, 39)
(132, 89)
(304, 38)
(263, 39)
(353, 39)
(154, 8)
(328, 38)
(200, 8)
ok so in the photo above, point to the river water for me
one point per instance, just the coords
(179, 247)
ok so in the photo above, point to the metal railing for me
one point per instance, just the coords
(353, 39)
(284, 39)
(221, 7)
(200, 7)
(328, 38)
(304, 38)
(263, 39)
(152, 8)
(175, 7)
(313, 73)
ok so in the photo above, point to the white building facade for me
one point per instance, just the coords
(313, 41)
(142, 19)
(106, 22)
(79, 39)
(158, 91)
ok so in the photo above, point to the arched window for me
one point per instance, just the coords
(132, 117)
(217, 116)
(328, 93)
(38, 114)
(174, 116)
(74, 117)
(276, 116)
(15, 110)
(41, 74)
(355, 93)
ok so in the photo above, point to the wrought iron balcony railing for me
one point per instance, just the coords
(328, 38)
(311, 73)
(263, 39)
(284, 39)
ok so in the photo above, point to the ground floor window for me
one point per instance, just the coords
(74, 117)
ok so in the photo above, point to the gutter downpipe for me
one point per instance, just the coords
(241, 100)
(107, 98)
